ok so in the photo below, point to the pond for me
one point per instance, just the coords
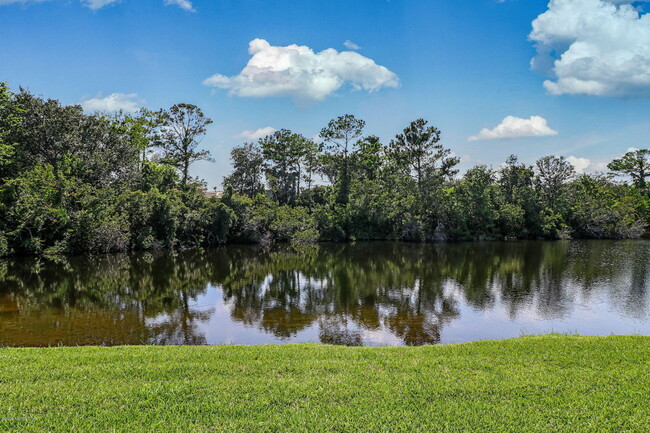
(370, 293)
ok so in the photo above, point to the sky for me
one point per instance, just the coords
(497, 77)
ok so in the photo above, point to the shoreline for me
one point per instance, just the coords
(320, 243)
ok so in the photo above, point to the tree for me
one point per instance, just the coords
(285, 153)
(181, 130)
(519, 209)
(419, 151)
(48, 131)
(473, 202)
(552, 173)
(634, 164)
(601, 208)
(10, 118)
(107, 152)
(329, 165)
(310, 162)
(513, 178)
(246, 177)
(340, 136)
(91, 147)
(369, 158)
(141, 129)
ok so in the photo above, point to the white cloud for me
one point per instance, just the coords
(515, 127)
(599, 166)
(257, 134)
(351, 45)
(300, 73)
(127, 102)
(603, 47)
(183, 4)
(97, 4)
(580, 164)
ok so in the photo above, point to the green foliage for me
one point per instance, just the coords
(159, 176)
(180, 130)
(286, 155)
(552, 175)
(339, 136)
(10, 119)
(602, 209)
(36, 209)
(219, 220)
(97, 225)
(293, 224)
(634, 164)
(4, 245)
(511, 220)
(370, 211)
(331, 222)
(266, 221)
(473, 208)
(641, 203)
(246, 177)
(418, 152)
(369, 158)
(407, 191)
(553, 225)
(518, 201)
(72, 182)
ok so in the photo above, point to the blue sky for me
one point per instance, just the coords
(463, 68)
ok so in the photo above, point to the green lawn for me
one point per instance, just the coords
(538, 384)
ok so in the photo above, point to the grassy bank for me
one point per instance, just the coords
(539, 384)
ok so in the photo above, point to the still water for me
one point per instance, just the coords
(378, 293)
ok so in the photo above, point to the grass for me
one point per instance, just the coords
(530, 384)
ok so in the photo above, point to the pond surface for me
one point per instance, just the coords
(378, 293)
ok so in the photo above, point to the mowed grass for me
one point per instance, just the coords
(530, 384)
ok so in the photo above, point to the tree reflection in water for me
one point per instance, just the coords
(345, 292)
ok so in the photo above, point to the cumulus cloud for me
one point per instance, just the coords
(594, 47)
(580, 164)
(351, 45)
(257, 134)
(183, 4)
(515, 127)
(127, 102)
(97, 4)
(298, 72)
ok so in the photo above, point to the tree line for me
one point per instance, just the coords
(72, 182)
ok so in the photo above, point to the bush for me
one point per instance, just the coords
(220, 219)
(511, 220)
(603, 209)
(99, 225)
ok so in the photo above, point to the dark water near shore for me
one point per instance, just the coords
(365, 294)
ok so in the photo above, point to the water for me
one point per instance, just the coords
(379, 293)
